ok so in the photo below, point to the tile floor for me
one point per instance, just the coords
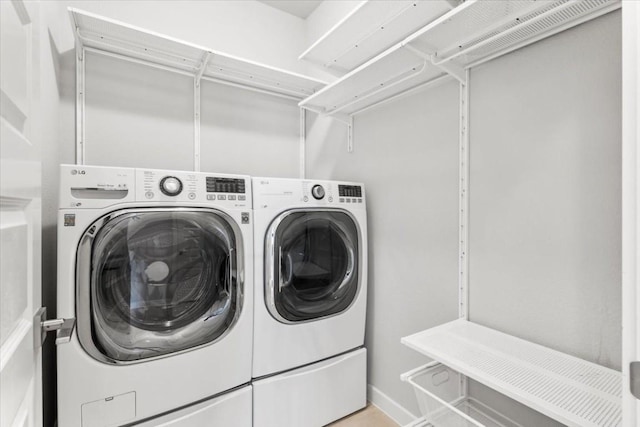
(367, 417)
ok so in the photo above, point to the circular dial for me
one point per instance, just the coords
(171, 186)
(317, 192)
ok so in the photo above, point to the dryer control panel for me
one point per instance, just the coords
(284, 192)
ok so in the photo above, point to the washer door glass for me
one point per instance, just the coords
(315, 265)
(162, 282)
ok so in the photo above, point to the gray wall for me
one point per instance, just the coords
(406, 153)
(137, 116)
(247, 132)
(546, 192)
(545, 231)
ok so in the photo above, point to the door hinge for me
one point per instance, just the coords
(634, 373)
(63, 327)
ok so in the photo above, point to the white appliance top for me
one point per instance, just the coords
(99, 186)
(273, 193)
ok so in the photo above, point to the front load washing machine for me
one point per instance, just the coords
(157, 268)
(309, 363)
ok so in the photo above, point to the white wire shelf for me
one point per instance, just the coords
(371, 27)
(111, 36)
(475, 31)
(390, 73)
(568, 389)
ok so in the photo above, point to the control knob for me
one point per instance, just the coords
(171, 186)
(317, 192)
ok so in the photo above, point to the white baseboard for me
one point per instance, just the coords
(389, 406)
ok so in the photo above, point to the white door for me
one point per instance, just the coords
(631, 207)
(20, 230)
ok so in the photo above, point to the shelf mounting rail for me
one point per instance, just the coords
(196, 109)
(80, 98)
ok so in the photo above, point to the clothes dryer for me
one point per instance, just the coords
(156, 267)
(309, 363)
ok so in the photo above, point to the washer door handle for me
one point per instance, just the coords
(63, 327)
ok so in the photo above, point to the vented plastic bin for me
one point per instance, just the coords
(439, 391)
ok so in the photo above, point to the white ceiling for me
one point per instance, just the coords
(299, 8)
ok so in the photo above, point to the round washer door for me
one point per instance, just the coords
(313, 267)
(160, 282)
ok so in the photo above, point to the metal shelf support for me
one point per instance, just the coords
(196, 124)
(347, 119)
(196, 110)
(450, 68)
(303, 142)
(202, 67)
(80, 104)
(463, 266)
(463, 247)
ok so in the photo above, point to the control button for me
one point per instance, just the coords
(171, 186)
(232, 197)
(330, 199)
(359, 200)
(348, 200)
(211, 196)
(305, 198)
(242, 197)
(317, 192)
(341, 199)
(149, 194)
(222, 197)
(192, 196)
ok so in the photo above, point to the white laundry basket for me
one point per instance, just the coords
(440, 394)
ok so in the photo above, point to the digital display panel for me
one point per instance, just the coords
(350, 190)
(225, 185)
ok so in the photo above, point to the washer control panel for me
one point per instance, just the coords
(158, 185)
(100, 186)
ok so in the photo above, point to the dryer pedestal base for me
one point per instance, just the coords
(314, 395)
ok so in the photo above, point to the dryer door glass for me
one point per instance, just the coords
(315, 265)
(162, 282)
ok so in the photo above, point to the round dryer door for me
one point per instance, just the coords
(160, 281)
(313, 270)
